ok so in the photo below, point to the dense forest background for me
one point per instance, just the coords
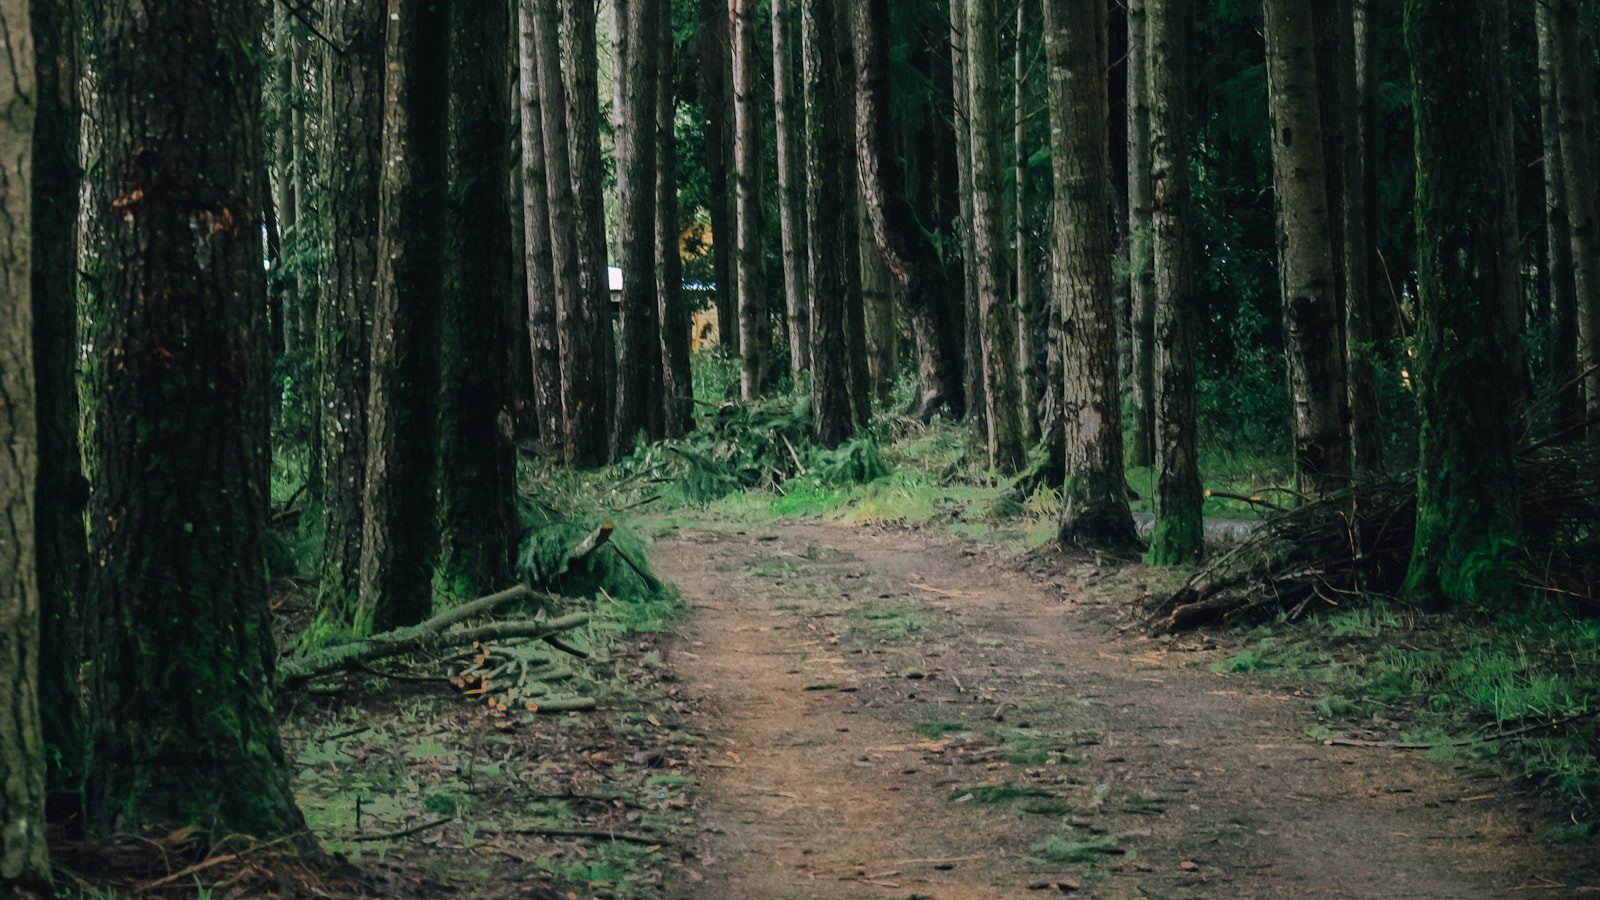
(336, 298)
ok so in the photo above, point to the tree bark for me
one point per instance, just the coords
(882, 332)
(24, 860)
(677, 374)
(1141, 276)
(716, 72)
(999, 337)
(1574, 98)
(789, 117)
(1310, 295)
(283, 182)
(536, 221)
(925, 286)
(477, 461)
(974, 388)
(594, 344)
(1468, 522)
(584, 399)
(400, 538)
(827, 189)
(178, 509)
(1029, 378)
(747, 203)
(351, 167)
(1094, 501)
(62, 551)
(1563, 347)
(641, 398)
(1178, 537)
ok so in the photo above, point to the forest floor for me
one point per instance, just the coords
(896, 713)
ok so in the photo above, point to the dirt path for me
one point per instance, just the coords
(897, 716)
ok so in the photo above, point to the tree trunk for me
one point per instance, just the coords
(1094, 501)
(62, 552)
(827, 187)
(1031, 384)
(584, 400)
(974, 388)
(677, 374)
(1573, 93)
(1468, 523)
(999, 338)
(283, 181)
(594, 345)
(536, 221)
(925, 286)
(1178, 538)
(477, 461)
(716, 70)
(24, 860)
(300, 323)
(351, 168)
(883, 332)
(790, 116)
(1361, 351)
(178, 511)
(399, 542)
(641, 400)
(747, 192)
(1310, 295)
(1141, 275)
(1563, 347)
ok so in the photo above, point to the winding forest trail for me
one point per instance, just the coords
(896, 715)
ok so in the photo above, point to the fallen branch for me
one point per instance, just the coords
(406, 641)
(595, 833)
(1464, 741)
(400, 833)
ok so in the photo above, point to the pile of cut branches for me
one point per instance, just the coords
(1332, 551)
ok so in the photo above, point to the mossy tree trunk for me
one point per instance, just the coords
(24, 859)
(753, 326)
(927, 290)
(351, 167)
(1094, 501)
(828, 192)
(63, 553)
(995, 308)
(1311, 313)
(1179, 536)
(677, 375)
(1141, 274)
(477, 460)
(400, 541)
(641, 400)
(1468, 528)
(789, 117)
(537, 251)
(186, 730)
(591, 335)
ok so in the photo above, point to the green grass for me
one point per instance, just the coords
(1068, 850)
(892, 623)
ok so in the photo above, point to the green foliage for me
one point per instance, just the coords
(617, 572)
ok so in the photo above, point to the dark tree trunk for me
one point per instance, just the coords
(1179, 534)
(883, 331)
(1563, 352)
(400, 539)
(828, 191)
(351, 167)
(789, 116)
(62, 552)
(717, 72)
(1141, 272)
(1468, 526)
(677, 375)
(925, 285)
(1094, 500)
(536, 221)
(594, 346)
(1310, 290)
(1574, 99)
(178, 511)
(584, 401)
(641, 399)
(24, 860)
(477, 461)
(1029, 300)
(971, 333)
(998, 316)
